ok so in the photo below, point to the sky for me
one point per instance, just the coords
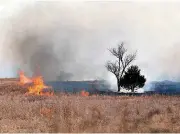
(152, 28)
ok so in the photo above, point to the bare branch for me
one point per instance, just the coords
(129, 58)
(113, 68)
(119, 52)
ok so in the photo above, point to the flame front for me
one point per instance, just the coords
(84, 93)
(37, 87)
(23, 79)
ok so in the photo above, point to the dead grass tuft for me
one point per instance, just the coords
(74, 113)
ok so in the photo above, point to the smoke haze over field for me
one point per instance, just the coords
(72, 37)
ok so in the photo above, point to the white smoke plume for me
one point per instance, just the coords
(71, 39)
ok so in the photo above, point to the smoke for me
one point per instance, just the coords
(50, 40)
(70, 40)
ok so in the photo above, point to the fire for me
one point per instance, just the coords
(84, 93)
(24, 79)
(37, 87)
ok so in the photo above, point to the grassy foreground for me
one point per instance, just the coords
(74, 113)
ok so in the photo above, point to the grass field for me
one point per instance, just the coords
(74, 113)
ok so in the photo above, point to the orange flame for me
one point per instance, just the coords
(84, 93)
(38, 85)
(24, 79)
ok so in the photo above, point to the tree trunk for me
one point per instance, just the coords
(118, 85)
(119, 88)
(132, 89)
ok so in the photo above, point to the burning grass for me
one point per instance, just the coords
(76, 113)
(37, 85)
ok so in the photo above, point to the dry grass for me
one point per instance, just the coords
(73, 113)
(8, 80)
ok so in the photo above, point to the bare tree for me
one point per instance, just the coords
(123, 61)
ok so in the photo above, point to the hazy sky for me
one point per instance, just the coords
(151, 28)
